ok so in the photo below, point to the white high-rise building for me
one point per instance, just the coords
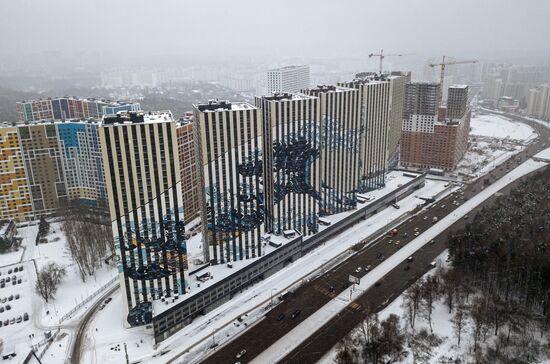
(288, 79)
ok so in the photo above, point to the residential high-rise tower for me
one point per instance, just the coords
(142, 174)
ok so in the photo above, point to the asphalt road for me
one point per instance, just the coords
(80, 333)
(316, 293)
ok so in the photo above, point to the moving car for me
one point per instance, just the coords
(241, 353)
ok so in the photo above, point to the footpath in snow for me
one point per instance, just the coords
(296, 336)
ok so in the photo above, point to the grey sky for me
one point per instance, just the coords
(283, 27)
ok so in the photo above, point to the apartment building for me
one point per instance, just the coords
(229, 149)
(288, 79)
(65, 108)
(291, 159)
(15, 198)
(340, 144)
(430, 139)
(139, 152)
(190, 188)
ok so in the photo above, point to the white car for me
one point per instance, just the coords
(241, 353)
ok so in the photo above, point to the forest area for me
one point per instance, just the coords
(495, 292)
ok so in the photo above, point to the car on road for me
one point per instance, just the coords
(102, 306)
(465, 217)
(377, 284)
(416, 229)
(432, 242)
(425, 218)
(109, 299)
(443, 206)
(358, 269)
(433, 264)
(296, 314)
(410, 259)
(407, 267)
(417, 233)
(367, 268)
(280, 316)
(241, 353)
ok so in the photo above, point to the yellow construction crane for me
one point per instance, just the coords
(442, 76)
(381, 55)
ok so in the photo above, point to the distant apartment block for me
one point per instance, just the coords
(430, 138)
(141, 161)
(64, 108)
(15, 198)
(288, 79)
(538, 102)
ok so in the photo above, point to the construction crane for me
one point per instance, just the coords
(443, 64)
(381, 55)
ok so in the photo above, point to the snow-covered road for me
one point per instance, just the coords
(296, 336)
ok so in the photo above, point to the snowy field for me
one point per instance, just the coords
(296, 336)
(493, 140)
(501, 127)
(222, 321)
(43, 316)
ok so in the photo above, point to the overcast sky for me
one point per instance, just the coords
(291, 28)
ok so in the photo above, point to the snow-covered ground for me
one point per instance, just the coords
(493, 140)
(440, 322)
(501, 127)
(221, 322)
(44, 316)
(296, 336)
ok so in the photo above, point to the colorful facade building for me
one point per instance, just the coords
(65, 108)
(15, 199)
(44, 167)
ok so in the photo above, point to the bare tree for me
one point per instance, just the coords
(48, 280)
(89, 240)
(411, 300)
(459, 321)
(429, 292)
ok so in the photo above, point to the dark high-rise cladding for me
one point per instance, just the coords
(291, 126)
(421, 98)
(457, 101)
(229, 142)
(141, 162)
(339, 139)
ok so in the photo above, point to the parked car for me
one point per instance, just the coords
(241, 353)
(19, 319)
(10, 298)
(1, 309)
(12, 321)
(281, 317)
(17, 296)
(296, 314)
(410, 259)
(109, 299)
(25, 317)
(6, 322)
(358, 270)
(8, 307)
